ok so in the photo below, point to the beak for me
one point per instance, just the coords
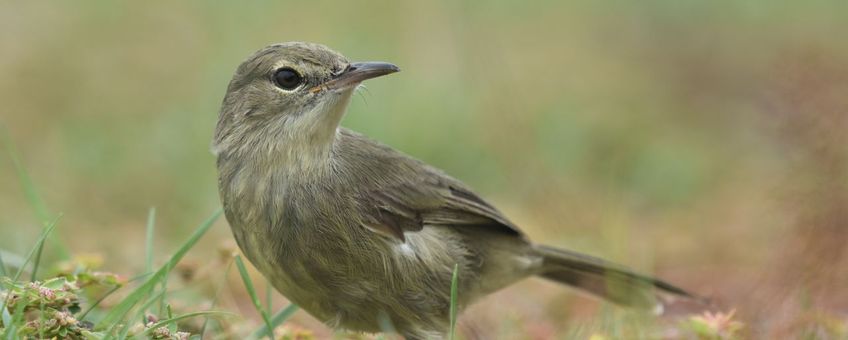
(355, 74)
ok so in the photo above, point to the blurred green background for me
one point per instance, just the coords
(701, 140)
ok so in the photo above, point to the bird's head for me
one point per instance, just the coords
(289, 94)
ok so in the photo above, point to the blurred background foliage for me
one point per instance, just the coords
(701, 140)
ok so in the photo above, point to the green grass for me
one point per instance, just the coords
(59, 305)
(12, 322)
(120, 311)
(58, 299)
(32, 196)
(248, 283)
(151, 226)
(454, 307)
(52, 308)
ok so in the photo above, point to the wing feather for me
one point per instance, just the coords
(397, 194)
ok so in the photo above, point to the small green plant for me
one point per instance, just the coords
(42, 309)
(67, 304)
(56, 308)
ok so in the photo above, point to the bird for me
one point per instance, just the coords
(358, 234)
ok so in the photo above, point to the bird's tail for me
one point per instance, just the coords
(605, 279)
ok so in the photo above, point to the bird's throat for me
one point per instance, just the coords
(308, 144)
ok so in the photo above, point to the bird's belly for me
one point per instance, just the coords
(392, 283)
(293, 274)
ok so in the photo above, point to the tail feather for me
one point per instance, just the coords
(605, 279)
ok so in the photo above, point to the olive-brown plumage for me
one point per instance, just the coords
(355, 232)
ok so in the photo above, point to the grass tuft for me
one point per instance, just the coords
(119, 312)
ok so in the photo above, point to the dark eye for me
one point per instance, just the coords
(287, 78)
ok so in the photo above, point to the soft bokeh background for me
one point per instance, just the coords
(705, 141)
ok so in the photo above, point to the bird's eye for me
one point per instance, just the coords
(287, 78)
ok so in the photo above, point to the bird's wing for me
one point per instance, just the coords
(397, 193)
(409, 204)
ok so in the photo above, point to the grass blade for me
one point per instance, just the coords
(35, 201)
(2, 265)
(37, 261)
(97, 303)
(248, 283)
(278, 319)
(269, 292)
(38, 246)
(215, 298)
(5, 316)
(119, 311)
(453, 301)
(18, 315)
(25, 181)
(148, 246)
